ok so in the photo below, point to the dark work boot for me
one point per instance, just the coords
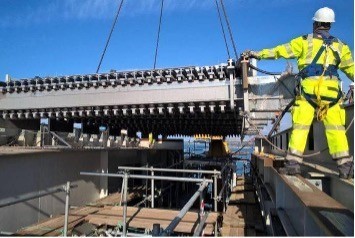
(346, 170)
(291, 168)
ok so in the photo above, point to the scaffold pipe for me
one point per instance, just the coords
(169, 170)
(137, 176)
(24, 198)
(170, 228)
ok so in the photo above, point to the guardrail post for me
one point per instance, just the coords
(202, 207)
(215, 191)
(125, 180)
(67, 194)
(152, 187)
(156, 229)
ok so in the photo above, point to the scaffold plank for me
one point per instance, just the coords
(146, 217)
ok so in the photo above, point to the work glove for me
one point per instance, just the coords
(251, 54)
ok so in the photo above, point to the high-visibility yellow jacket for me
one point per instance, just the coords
(305, 48)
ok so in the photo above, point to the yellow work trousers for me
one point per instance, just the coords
(334, 122)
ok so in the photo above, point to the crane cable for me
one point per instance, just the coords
(109, 36)
(158, 37)
(229, 29)
(224, 33)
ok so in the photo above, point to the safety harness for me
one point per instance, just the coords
(321, 103)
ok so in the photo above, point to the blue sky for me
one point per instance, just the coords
(62, 37)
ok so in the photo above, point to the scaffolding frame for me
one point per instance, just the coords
(170, 228)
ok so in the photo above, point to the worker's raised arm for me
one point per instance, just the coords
(347, 62)
(290, 50)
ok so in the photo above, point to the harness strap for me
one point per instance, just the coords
(316, 58)
(321, 104)
(314, 69)
(310, 97)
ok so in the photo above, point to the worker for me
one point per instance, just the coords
(319, 55)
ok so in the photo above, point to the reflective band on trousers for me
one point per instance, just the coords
(340, 155)
(289, 50)
(335, 127)
(310, 47)
(300, 127)
(325, 77)
(344, 160)
(295, 152)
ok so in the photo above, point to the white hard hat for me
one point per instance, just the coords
(324, 14)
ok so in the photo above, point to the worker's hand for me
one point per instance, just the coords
(251, 54)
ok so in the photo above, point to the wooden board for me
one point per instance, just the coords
(53, 226)
(146, 217)
(242, 214)
(100, 213)
(114, 199)
(162, 214)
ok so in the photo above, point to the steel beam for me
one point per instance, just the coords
(185, 92)
(210, 98)
(309, 211)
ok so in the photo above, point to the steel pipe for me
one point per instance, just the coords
(170, 228)
(136, 176)
(124, 229)
(201, 225)
(215, 192)
(67, 194)
(222, 190)
(152, 188)
(33, 195)
(169, 170)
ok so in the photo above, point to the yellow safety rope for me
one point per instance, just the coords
(323, 106)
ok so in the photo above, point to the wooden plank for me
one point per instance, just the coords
(243, 197)
(83, 211)
(183, 227)
(108, 200)
(58, 232)
(161, 214)
(225, 230)
(54, 225)
(243, 188)
(47, 226)
(115, 198)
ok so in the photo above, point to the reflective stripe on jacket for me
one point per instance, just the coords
(305, 48)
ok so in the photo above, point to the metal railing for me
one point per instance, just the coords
(215, 173)
(204, 183)
(66, 188)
